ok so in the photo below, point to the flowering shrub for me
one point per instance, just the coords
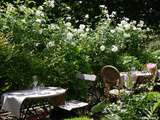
(55, 51)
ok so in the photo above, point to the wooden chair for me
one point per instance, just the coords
(73, 107)
(111, 78)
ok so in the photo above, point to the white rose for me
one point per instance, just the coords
(69, 35)
(81, 26)
(114, 48)
(126, 35)
(127, 26)
(119, 29)
(141, 23)
(80, 30)
(68, 18)
(86, 16)
(39, 13)
(112, 31)
(50, 44)
(102, 47)
(68, 8)
(102, 6)
(134, 28)
(40, 8)
(38, 20)
(68, 24)
(51, 3)
(87, 29)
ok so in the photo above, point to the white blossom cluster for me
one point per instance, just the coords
(50, 3)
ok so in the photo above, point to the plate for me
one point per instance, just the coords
(19, 94)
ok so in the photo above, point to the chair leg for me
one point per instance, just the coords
(106, 90)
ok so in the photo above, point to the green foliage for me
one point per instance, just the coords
(99, 107)
(54, 50)
(142, 106)
(79, 118)
(130, 61)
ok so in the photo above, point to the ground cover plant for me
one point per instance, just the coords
(136, 107)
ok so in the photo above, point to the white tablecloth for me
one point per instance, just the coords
(12, 101)
(134, 75)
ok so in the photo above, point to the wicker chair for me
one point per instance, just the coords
(151, 67)
(111, 78)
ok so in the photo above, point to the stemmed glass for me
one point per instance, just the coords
(130, 82)
(35, 83)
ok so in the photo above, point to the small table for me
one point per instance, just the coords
(138, 77)
(15, 102)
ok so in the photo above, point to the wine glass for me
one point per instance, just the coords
(35, 83)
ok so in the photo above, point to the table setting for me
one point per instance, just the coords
(12, 101)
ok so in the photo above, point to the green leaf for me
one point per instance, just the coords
(155, 106)
(112, 117)
(99, 107)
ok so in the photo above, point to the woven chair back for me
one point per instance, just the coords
(110, 75)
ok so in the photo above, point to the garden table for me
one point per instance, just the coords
(138, 77)
(13, 101)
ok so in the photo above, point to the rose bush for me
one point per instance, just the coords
(56, 51)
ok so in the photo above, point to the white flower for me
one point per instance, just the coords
(148, 29)
(102, 6)
(68, 8)
(38, 20)
(68, 18)
(87, 29)
(81, 26)
(53, 26)
(113, 14)
(127, 26)
(141, 23)
(75, 30)
(37, 44)
(119, 29)
(86, 16)
(112, 31)
(114, 48)
(69, 35)
(139, 29)
(40, 31)
(133, 22)
(126, 35)
(22, 8)
(77, 21)
(50, 44)
(83, 35)
(123, 22)
(40, 8)
(134, 28)
(80, 2)
(68, 24)
(51, 3)
(10, 8)
(39, 13)
(105, 12)
(80, 30)
(126, 19)
(102, 47)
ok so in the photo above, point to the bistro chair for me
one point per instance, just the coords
(76, 107)
(151, 67)
(112, 80)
